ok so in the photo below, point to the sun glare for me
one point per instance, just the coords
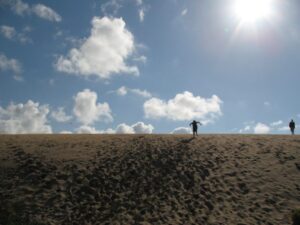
(252, 10)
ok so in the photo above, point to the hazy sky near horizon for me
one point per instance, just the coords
(141, 66)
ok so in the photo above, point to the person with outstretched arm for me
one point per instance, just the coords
(195, 127)
(292, 126)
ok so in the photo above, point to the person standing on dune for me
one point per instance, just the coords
(195, 127)
(292, 126)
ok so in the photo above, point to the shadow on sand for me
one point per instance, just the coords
(185, 141)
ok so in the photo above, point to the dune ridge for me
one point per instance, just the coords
(149, 179)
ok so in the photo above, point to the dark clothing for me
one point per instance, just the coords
(195, 127)
(194, 124)
(292, 126)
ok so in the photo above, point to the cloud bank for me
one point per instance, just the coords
(87, 130)
(123, 128)
(25, 118)
(182, 130)
(184, 106)
(137, 128)
(264, 128)
(261, 128)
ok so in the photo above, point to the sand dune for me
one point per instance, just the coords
(149, 179)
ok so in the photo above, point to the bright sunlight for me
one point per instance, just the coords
(253, 10)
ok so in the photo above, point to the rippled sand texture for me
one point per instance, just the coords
(149, 179)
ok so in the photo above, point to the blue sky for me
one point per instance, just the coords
(138, 66)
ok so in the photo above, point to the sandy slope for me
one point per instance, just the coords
(149, 179)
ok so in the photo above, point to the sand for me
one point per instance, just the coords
(149, 179)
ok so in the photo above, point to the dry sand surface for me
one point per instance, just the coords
(149, 179)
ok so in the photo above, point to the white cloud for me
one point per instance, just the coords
(8, 31)
(58, 33)
(21, 8)
(142, 14)
(111, 8)
(142, 9)
(73, 41)
(184, 12)
(122, 91)
(23, 38)
(7, 64)
(11, 34)
(141, 58)
(142, 93)
(182, 130)
(92, 130)
(141, 128)
(246, 129)
(121, 129)
(103, 53)
(285, 128)
(137, 128)
(124, 129)
(267, 104)
(87, 130)
(108, 131)
(65, 132)
(88, 111)
(46, 13)
(184, 106)
(30, 117)
(60, 116)
(276, 123)
(261, 128)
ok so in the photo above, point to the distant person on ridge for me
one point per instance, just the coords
(195, 127)
(292, 126)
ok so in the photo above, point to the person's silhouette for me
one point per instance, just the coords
(292, 126)
(195, 127)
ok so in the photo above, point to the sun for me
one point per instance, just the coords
(252, 10)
